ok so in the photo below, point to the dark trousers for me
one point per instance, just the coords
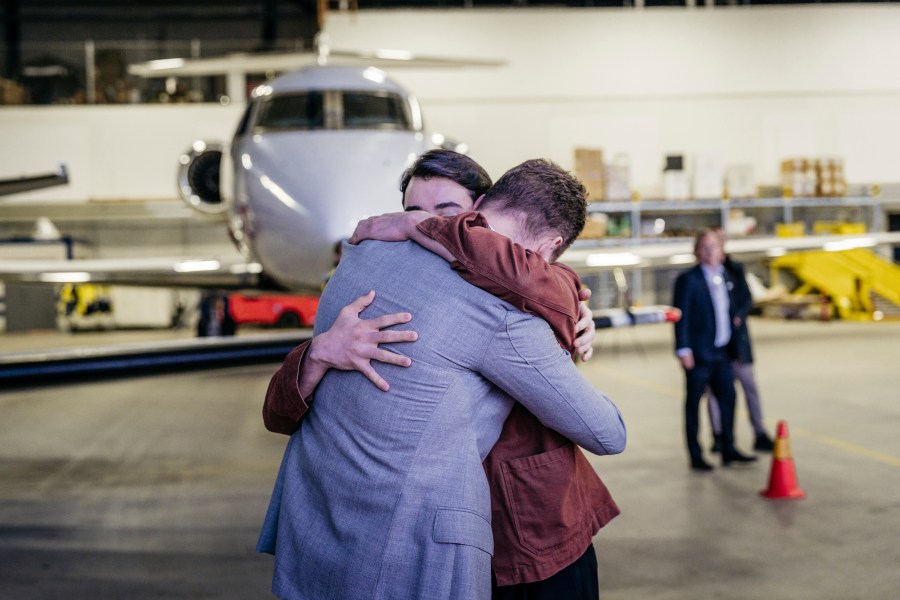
(578, 581)
(718, 375)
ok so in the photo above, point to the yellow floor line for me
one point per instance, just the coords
(849, 447)
(648, 385)
(822, 439)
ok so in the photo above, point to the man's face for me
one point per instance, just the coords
(709, 250)
(437, 195)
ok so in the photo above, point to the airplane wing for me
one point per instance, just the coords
(263, 62)
(235, 272)
(587, 257)
(219, 273)
(17, 185)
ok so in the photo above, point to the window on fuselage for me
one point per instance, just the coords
(293, 111)
(367, 110)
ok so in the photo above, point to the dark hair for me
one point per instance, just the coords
(549, 198)
(450, 165)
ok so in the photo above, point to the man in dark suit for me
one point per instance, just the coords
(705, 346)
(743, 362)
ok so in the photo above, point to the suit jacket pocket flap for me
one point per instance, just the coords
(455, 526)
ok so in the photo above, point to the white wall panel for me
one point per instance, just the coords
(754, 84)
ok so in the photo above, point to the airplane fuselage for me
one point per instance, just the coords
(317, 151)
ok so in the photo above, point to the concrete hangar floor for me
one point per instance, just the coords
(155, 487)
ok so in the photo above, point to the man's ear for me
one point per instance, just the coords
(477, 202)
(548, 247)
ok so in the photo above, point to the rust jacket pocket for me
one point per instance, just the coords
(543, 520)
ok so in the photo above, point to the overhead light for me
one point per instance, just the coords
(681, 259)
(261, 90)
(70, 277)
(394, 54)
(252, 267)
(863, 242)
(195, 266)
(166, 63)
(612, 259)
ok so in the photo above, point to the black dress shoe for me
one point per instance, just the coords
(735, 456)
(763, 443)
(700, 465)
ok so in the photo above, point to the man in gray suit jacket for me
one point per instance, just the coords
(383, 495)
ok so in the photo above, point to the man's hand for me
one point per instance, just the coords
(391, 227)
(352, 343)
(585, 327)
(687, 361)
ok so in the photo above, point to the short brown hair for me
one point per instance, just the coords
(549, 198)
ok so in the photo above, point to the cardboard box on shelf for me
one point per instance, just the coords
(709, 176)
(830, 177)
(813, 177)
(798, 177)
(11, 93)
(618, 185)
(595, 227)
(676, 185)
(739, 182)
(589, 169)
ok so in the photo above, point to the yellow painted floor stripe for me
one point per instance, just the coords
(848, 446)
(817, 437)
(648, 385)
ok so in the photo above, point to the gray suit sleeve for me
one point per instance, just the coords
(525, 360)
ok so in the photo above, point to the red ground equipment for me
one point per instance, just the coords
(279, 311)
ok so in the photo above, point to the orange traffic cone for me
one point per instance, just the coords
(782, 477)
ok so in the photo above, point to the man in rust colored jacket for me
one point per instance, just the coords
(547, 500)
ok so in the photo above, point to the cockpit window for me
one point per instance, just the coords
(293, 111)
(334, 109)
(365, 110)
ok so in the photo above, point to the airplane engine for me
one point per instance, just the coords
(199, 178)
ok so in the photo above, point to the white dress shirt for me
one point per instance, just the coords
(715, 280)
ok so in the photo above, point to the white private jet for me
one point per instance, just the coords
(316, 151)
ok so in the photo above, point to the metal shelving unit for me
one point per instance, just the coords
(716, 212)
(723, 207)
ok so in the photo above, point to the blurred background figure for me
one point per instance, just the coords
(215, 316)
(742, 365)
(705, 345)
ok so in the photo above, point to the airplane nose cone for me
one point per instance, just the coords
(306, 192)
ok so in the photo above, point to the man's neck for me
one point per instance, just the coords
(505, 224)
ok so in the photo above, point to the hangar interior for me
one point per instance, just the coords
(154, 486)
(610, 91)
